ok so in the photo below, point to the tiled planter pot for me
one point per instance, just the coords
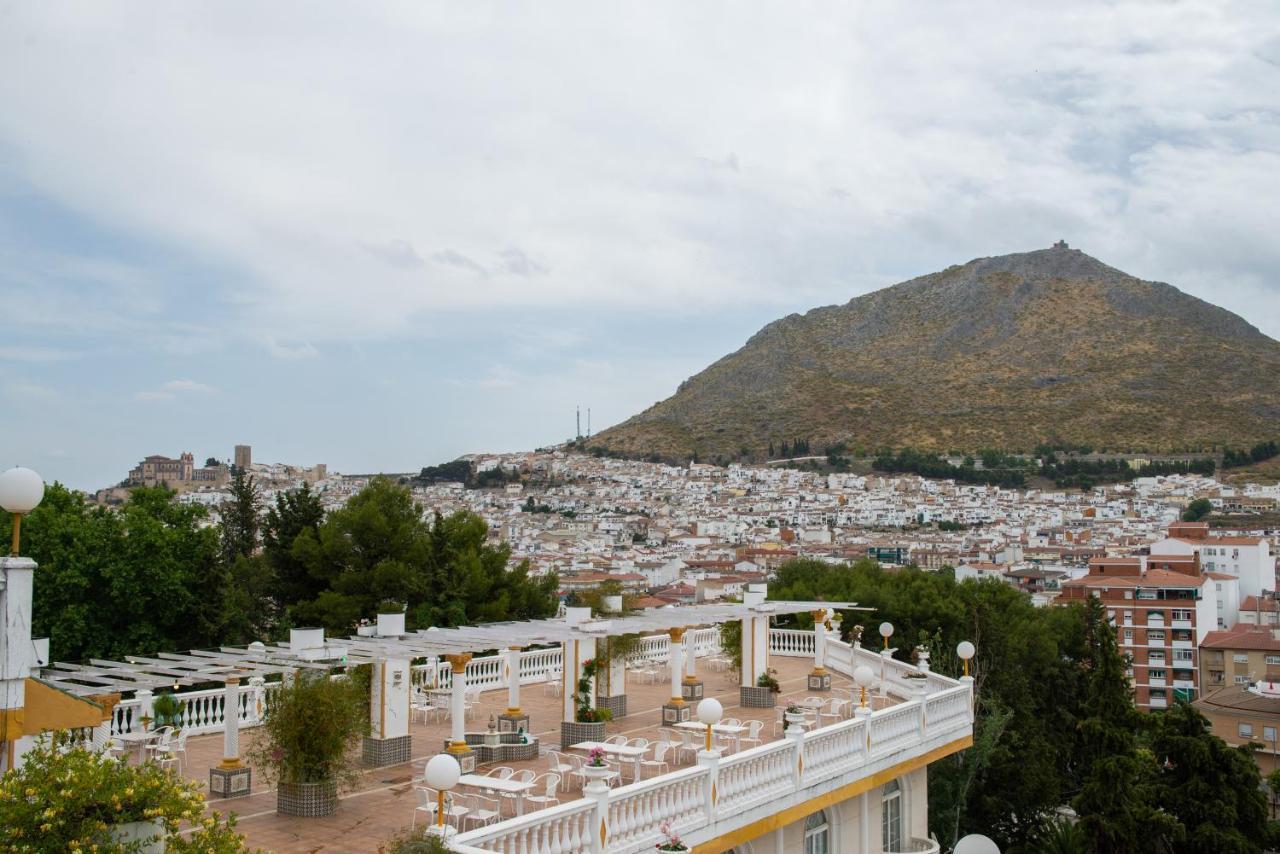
(755, 697)
(149, 833)
(572, 733)
(307, 800)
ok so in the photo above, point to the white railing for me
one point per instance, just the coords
(199, 711)
(636, 812)
(791, 642)
(714, 798)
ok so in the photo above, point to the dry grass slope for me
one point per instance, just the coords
(1007, 352)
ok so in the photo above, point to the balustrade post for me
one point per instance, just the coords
(710, 759)
(257, 699)
(146, 711)
(102, 732)
(231, 778)
(967, 681)
(457, 746)
(796, 735)
(598, 791)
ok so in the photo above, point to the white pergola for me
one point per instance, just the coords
(392, 653)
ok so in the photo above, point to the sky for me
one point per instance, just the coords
(381, 235)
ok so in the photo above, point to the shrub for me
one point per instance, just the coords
(67, 799)
(311, 728)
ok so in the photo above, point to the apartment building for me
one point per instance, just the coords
(1163, 606)
(1247, 714)
(1247, 558)
(1259, 610)
(1239, 656)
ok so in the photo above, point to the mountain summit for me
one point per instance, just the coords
(1008, 352)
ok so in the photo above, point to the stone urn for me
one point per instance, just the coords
(148, 836)
(596, 775)
(307, 800)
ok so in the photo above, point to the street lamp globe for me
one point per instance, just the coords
(709, 712)
(863, 676)
(886, 632)
(443, 771)
(965, 650)
(976, 843)
(21, 490)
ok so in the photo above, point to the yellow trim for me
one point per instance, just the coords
(513, 710)
(756, 829)
(458, 747)
(230, 764)
(691, 680)
(50, 708)
(12, 719)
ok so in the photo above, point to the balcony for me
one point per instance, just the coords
(1181, 624)
(919, 846)
(1184, 683)
(1157, 682)
(1184, 644)
(1159, 703)
(1184, 664)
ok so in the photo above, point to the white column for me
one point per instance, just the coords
(710, 759)
(675, 655)
(16, 654)
(819, 641)
(231, 723)
(458, 702)
(513, 680)
(690, 657)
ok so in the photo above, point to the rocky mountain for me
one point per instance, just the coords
(1008, 352)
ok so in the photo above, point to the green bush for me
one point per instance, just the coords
(67, 799)
(311, 728)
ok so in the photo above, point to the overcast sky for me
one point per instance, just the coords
(381, 235)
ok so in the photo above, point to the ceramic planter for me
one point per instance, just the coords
(307, 800)
(150, 835)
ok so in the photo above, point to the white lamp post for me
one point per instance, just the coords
(709, 713)
(965, 650)
(21, 490)
(442, 774)
(976, 843)
(863, 676)
(886, 632)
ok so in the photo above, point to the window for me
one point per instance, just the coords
(1269, 734)
(1240, 658)
(1246, 730)
(1128, 634)
(1155, 636)
(1182, 615)
(817, 834)
(1156, 673)
(1242, 680)
(891, 816)
(1273, 659)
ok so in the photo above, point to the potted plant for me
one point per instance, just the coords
(305, 744)
(588, 723)
(111, 806)
(761, 695)
(167, 711)
(794, 715)
(671, 840)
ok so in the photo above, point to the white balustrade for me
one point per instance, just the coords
(638, 810)
(791, 643)
(750, 780)
(755, 776)
(199, 711)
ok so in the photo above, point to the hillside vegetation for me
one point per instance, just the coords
(1047, 347)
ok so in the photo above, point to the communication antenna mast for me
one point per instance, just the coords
(577, 417)
(588, 422)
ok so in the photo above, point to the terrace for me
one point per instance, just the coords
(912, 717)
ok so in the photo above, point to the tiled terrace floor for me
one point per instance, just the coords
(383, 802)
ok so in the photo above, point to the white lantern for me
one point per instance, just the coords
(21, 490)
(976, 843)
(442, 774)
(709, 712)
(886, 632)
(863, 676)
(965, 650)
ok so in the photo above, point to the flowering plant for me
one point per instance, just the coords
(596, 758)
(769, 679)
(670, 839)
(793, 709)
(68, 799)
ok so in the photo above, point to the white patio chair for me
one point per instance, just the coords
(558, 764)
(659, 761)
(549, 784)
(428, 801)
(553, 682)
(481, 810)
(687, 745)
(523, 776)
(752, 738)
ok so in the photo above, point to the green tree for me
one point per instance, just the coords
(1197, 510)
(239, 517)
(1214, 790)
(144, 578)
(296, 511)
(1116, 803)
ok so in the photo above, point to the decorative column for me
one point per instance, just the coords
(231, 778)
(755, 652)
(389, 741)
(513, 719)
(611, 682)
(819, 678)
(16, 651)
(457, 746)
(691, 688)
(102, 732)
(257, 699)
(676, 710)
(146, 709)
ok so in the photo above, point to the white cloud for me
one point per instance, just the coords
(173, 388)
(282, 350)
(675, 157)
